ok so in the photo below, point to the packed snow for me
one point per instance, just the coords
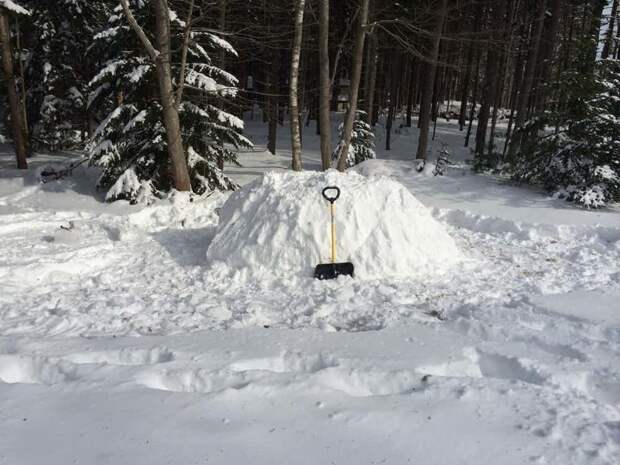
(123, 340)
(280, 224)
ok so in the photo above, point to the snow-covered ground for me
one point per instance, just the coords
(120, 344)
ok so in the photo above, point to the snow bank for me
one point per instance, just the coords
(281, 224)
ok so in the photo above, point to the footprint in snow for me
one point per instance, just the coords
(129, 356)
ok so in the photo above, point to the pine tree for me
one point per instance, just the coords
(580, 160)
(362, 145)
(130, 144)
(59, 68)
(8, 8)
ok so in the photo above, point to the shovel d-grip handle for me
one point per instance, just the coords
(331, 199)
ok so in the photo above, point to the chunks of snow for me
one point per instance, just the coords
(280, 223)
(14, 7)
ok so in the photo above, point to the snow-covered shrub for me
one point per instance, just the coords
(130, 143)
(362, 145)
(443, 160)
(580, 159)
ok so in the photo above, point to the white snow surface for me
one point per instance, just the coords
(281, 224)
(120, 343)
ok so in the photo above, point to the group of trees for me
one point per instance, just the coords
(156, 91)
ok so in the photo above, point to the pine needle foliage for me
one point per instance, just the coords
(130, 143)
(362, 145)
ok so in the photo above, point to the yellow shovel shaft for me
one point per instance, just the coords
(333, 233)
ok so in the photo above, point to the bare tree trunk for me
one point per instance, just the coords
(472, 111)
(9, 75)
(465, 86)
(356, 74)
(22, 85)
(222, 4)
(429, 84)
(528, 82)
(546, 52)
(411, 91)
(596, 21)
(161, 57)
(394, 81)
(170, 112)
(273, 102)
(293, 86)
(372, 79)
(324, 86)
(491, 82)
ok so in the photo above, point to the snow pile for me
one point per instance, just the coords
(177, 210)
(280, 223)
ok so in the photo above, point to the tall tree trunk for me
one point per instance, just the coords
(325, 128)
(293, 87)
(528, 81)
(273, 101)
(22, 86)
(610, 31)
(167, 98)
(472, 111)
(372, 78)
(491, 81)
(596, 21)
(356, 74)
(548, 42)
(221, 24)
(411, 91)
(273, 89)
(429, 83)
(465, 86)
(9, 76)
(394, 85)
(170, 111)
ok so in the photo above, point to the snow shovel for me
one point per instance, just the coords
(332, 270)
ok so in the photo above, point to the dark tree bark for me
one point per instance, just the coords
(411, 92)
(161, 57)
(324, 86)
(356, 74)
(273, 101)
(527, 84)
(472, 111)
(372, 78)
(491, 81)
(9, 76)
(609, 35)
(429, 82)
(548, 45)
(221, 23)
(394, 88)
(22, 87)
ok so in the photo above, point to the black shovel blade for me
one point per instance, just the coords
(333, 270)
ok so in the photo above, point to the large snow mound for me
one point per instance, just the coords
(280, 224)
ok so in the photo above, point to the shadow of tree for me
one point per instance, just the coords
(188, 247)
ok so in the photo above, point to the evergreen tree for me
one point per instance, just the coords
(130, 144)
(58, 69)
(362, 145)
(580, 159)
